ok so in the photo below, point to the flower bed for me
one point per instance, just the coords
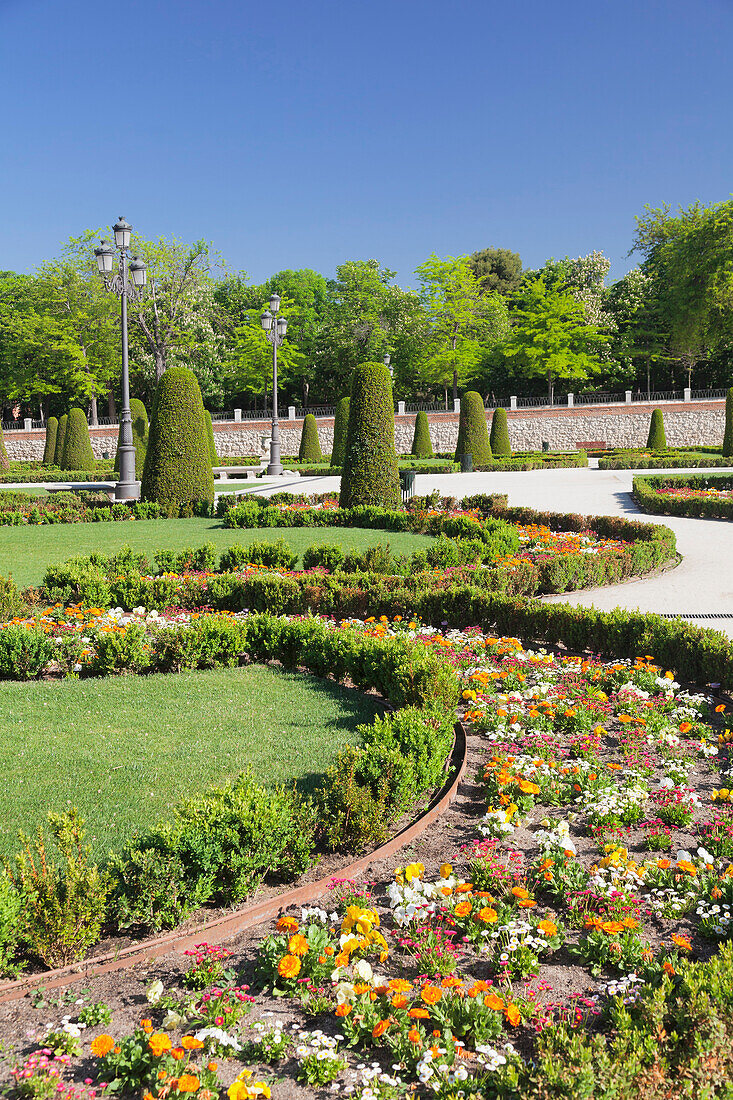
(701, 496)
(657, 460)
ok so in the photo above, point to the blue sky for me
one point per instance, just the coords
(301, 134)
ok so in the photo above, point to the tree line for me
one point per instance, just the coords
(481, 322)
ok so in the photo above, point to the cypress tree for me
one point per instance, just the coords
(422, 446)
(77, 453)
(177, 465)
(310, 444)
(728, 437)
(473, 435)
(213, 456)
(4, 460)
(499, 438)
(370, 464)
(657, 440)
(139, 417)
(49, 451)
(340, 428)
(60, 436)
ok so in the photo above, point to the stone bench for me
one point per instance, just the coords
(591, 445)
(238, 473)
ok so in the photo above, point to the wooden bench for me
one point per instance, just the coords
(591, 445)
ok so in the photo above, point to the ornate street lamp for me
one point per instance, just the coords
(275, 328)
(388, 365)
(127, 282)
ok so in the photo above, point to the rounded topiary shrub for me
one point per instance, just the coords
(422, 446)
(657, 440)
(310, 444)
(340, 428)
(473, 435)
(77, 453)
(370, 464)
(499, 438)
(177, 469)
(49, 451)
(213, 456)
(139, 417)
(728, 437)
(4, 460)
(60, 436)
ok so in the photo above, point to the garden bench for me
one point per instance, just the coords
(591, 445)
(238, 473)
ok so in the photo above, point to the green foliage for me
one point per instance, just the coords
(49, 451)
(60, 438)
(77, 453)
(213, 456)
(728, 437)
(275, 555)
(24, 652)
(657, 440)
(177, 466)
(370, 465)
(497, 270)
(499, 438)
(10, 907)
(473, 435)
(650, 493)
(325, 556)
(4, 460)
(340, 431)
(139, 417)
(310, 444)
(422, 446)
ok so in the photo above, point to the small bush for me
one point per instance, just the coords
(24, 652)
(10, 907)
(370, 464)
(4, 460)
(656, 440)
(60, 438)
(49, 450)
(473, 435)
(177, 473)
(728, 436)
(310, 444)
(325, 556)
(422, 446)
(499, 438)
(340, 429)
(139, 417)
(78, 453)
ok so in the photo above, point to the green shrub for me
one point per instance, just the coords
(340, 430)
(350, 815)
(422, 446)
(78, 453)
(473, 436)
(60, 437)
(310, 444)
(49, 451)
(370, 464)
(177, 468)
(24, 652)
(375, 559)
(728, 436)
(213, 456)
(656, 440)
(4, 460)
(11, 604)
(325, 556)
(499, 438)
(10, 907)
(139, 418)
(276, 555)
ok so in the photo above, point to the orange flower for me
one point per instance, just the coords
(526, 903)
(419, 1013)
(379, 1028)
(189, 1042)
(289, 966)
(178, 1053)
(669, 969)
(298, 945)
(488, 915)
(159, 1043)
(287, 924)
(102, 1045)
(146, 1025)
(663, 864)
(547, 927)
(685, 727)
(512, 1015)
(630, 922)
(431, 994)
(188, 1082)
(685, 865)
(492, 1001)
(400, 985)
(451, 983)
(212, 1066)
(399, 1001)
(528, 788)
(414, 1035)
(611, 927)
(681, 941)
(520, 892)
(462, 909)
(343, 1010)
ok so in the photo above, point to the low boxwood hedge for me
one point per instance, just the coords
(666, 461)
(649, 494)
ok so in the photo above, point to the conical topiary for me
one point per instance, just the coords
(49, 451)
(370, 464)
(177, 465)
(728, 437)
(473, 435)
(78, 453)
(139, 417)
(213, 456)
(422, 446)
(499, 438)
(657, 440)
(340, 428)
(4, 460)
(310, 444)
(60, 436)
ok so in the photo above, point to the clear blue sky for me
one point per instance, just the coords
(307, 132)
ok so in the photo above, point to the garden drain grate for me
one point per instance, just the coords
(695, 614)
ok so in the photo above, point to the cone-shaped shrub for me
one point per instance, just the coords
(499, 438)
(340, 428)
(473, 435)
(139, 437)
(422, 446)
(310, 444)
(213, 456)
(4, 460)
(60, 436)
(728, 437)
(657, 440)
(49, 451)
(78, 453)
(370, 464)
(177, 466)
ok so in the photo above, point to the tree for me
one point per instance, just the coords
(77, 453)
(473, 436)
(370, 475)
(499, 438)
(49, 450)
(551, 336)
(422, 446)
(177, 472)
(498, 270)
(728, 436)
(139, 418)
(60, 439)
(340, 430)
(249, 366)
(656, 440)
(310, 444)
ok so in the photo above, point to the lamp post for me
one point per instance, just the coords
(275, 328)
(127, 282)
(387, 364)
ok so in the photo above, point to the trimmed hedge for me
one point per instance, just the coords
(657, 441)
(499, 438)
(473, 435)
(77, 453)
(60, 437)
(49, 451)
(340, 431)
(370, 474)
(649, 494)
(310, 444)
(177, 471)
(728, 436)
(139, 416)
(670, 460)
(422, 446)
(4, 460)
(213, 457)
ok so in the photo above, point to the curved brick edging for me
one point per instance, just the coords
(224, 928)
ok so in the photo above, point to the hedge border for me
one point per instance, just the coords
(649, 494)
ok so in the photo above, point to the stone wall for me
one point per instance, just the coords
(699, 422)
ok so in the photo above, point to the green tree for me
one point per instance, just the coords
(177, 472)
(498, 270)
(340, 430)
(60, 440)
(49, 450)
(422, 446)
(370, 475)
(473, 435)
(310, 444)
(139, 417)
(499, 438)
(656, 440)
(249, 367)
(77, 453)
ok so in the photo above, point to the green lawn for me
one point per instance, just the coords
(26, 551)
(124, 749)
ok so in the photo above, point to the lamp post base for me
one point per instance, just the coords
(127, 490)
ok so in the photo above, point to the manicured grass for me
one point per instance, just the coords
(26, 551)
(124, 749)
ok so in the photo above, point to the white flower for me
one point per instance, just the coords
(154, 992)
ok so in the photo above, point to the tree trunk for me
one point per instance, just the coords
(306, 389)
(445, 391)
(93, 415)
(159, 365)
(455, 384)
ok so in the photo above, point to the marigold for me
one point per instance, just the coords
(178, 1053)
(451, 982)
(188, 1082)
(414, 1035)
(288, 966)
(462, 909)
(399, 1001)
(520, 892)
(298, 945)
(512, 1015)
(190, 1042)
(400, 985)
(488, 915)
(344, 1009)
(685, 865)
(146, 1025)
(379, 1028)
(159, 1043)
(419, 1013)
(431, 994)
(681, 941)
(611, 927)
(287, 924)
(547, 927)
(492, 1001)
(102, 1045)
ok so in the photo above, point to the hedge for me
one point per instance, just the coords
(473, 436)
(656, 440)
(77, 453)
(177, 469)
(4, 460)
(310, 444)
(728, 436)
(422, 446)
(213, 457)
(369, 474)
(340, 430)
(499, 438)
(60, 437)
(649, 494)
(670, 460)
(49, 450)
(139, 417)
